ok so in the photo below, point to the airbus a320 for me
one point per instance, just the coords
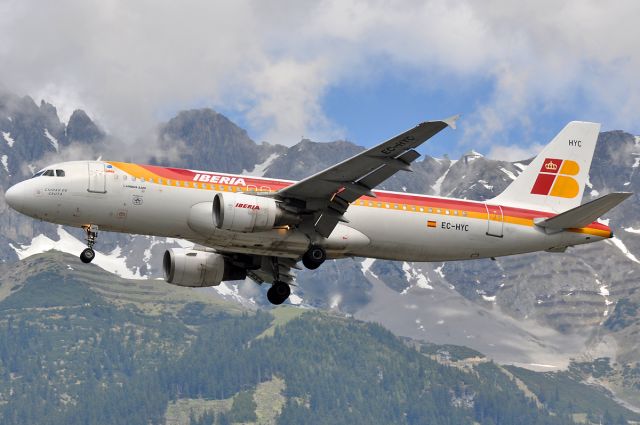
(261, 228)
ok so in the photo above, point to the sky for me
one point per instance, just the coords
(362, 71)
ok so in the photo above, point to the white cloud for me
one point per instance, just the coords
(131, 63)
(514, 152)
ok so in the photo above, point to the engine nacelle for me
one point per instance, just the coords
(195, 268)
(249, 213)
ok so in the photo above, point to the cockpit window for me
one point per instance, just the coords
(48, 173)
(60, 173)
(38, 174)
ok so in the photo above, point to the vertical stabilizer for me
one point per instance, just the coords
(555, 179)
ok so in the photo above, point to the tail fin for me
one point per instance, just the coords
(555, 179)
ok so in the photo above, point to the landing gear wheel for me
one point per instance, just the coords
(314, 257)
(278, 293)
(92, 234)
(87, 255)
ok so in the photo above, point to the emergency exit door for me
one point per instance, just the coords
(97, 178)
(495, 220)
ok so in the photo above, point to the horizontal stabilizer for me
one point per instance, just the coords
(585, 214)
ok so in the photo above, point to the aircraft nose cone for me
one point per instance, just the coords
(15, 196)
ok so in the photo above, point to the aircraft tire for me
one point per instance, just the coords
(278, 293)
(314, 257)
(87, 255)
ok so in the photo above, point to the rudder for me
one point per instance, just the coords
(556, 178)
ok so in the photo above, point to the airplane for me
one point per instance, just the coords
(260, 228)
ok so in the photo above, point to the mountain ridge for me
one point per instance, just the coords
(563, 296)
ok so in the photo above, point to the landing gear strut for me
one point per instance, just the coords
(278, 293)
(92, 234)
(314, 257)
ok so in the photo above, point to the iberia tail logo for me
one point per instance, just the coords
(554, 178)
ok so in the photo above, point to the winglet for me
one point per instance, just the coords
(451, 121)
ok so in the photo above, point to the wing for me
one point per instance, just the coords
(325, 196)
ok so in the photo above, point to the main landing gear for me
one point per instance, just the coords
(314, 257)
(278, 293)
(89, 254)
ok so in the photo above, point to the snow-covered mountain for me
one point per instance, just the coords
(537, 310)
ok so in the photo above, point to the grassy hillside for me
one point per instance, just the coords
(80, 346)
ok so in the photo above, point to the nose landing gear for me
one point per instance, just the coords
(92, 234)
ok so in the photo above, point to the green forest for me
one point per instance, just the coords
(69, 355)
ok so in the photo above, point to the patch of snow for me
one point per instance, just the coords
(437, 186)
(621, 246)
(366, 267)
(604, 221)
(604, 291)
(594, 193)
(5, 163)
(637, 140)
(439, 270)
(522, 167)
(490, 299)
(147, 252)
(631, 230)
(32, 168)
(410, 273)
(472, 155)
(486, 184)
(10, 119)
(112, 262)
(508, 173)
(295, 299)
(404, 188)
(636, 162)
(440, 322)
(589, 184)
(543, 365)
(52, 140)
(260, 169)
(69, 267)
(8, 138)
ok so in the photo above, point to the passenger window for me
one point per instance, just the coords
(395, 206)
(446, 212)
(464, 213)
(48, 173)
(421, 209)
(413, 208)
(430, 210)
(404, 207)
(125, 177)
(60, 173)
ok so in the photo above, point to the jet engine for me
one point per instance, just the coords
(196, 268)
(249, 213)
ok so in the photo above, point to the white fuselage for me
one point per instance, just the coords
(395, 226)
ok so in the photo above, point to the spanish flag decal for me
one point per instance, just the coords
(431, 223)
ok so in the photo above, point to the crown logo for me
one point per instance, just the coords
(551, 166)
